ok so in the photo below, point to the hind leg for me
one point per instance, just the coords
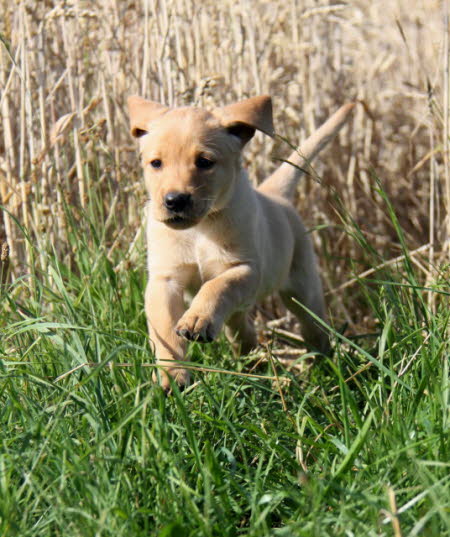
(304, 287)
(241, 333)
(314, 336)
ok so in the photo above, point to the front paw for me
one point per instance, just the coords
(179, 375)
(197, 328)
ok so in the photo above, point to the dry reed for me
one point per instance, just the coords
(67, 67)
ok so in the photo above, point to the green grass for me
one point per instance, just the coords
(101, 451)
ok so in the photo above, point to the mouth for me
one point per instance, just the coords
(179, 222)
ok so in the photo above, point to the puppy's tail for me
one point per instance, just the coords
(283, 182)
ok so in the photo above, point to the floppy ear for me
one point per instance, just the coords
(141, 113)
(243, 118)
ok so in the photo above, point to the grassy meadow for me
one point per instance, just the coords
(352, 445)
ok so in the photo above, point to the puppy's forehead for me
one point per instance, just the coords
(184, 124)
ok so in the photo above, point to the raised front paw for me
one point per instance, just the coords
(196, 328)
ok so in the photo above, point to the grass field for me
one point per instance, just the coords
(353, 445)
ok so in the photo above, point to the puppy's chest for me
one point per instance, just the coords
(200, 256)
(213, 258)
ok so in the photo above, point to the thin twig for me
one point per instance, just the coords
(394, 513)
(377, 268)
(277, 380)
(185, 366)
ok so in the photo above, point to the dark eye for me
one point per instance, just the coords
(204, 163)
(155, 163)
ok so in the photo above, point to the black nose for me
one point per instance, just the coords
(176, 201)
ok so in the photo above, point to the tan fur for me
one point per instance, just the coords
(231, 244)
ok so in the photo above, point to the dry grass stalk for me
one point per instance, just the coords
(394, 513)
(187, 366)
(4, 262)
(57, 57)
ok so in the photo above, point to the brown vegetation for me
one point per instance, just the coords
(66, 69)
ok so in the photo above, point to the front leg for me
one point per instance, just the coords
(164, 305)
(216, 300)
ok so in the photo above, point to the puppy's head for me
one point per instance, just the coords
(191, 156)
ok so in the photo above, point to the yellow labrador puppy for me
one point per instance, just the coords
(210, 232)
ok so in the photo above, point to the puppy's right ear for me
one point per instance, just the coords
(143, 112)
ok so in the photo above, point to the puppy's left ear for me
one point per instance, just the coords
(243, 118)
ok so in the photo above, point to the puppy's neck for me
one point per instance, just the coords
(237, 200)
